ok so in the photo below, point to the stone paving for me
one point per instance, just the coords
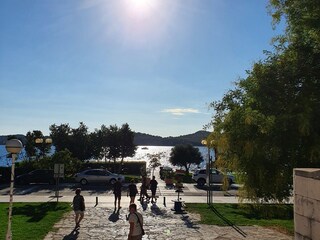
(160, 223)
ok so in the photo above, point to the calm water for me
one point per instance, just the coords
(141, 154)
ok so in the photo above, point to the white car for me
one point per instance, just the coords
(200, 176)
(97, 176)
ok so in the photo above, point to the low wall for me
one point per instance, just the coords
(307, 203)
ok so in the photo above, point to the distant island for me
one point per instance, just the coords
(149, 140)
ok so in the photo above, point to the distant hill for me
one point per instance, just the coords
(149, 140)
(21, 137)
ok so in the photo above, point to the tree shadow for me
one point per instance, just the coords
(72, 236)
(37, 212)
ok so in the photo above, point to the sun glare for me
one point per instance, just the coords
(141, 6)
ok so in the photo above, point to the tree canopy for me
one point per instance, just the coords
(184, 156)
(268, 124)
(107, 142)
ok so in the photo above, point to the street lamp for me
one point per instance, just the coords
(13, 146)
(41, 140)
(208, 170)
(42, 144)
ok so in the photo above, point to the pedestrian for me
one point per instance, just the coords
(132, 191)
(136, 223)
(117, 187)
(78, 207)
(153, 188)
(143, 190)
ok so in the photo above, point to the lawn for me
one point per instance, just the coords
(277, 216)
(31, 220)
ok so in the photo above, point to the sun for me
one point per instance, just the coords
(141, 6)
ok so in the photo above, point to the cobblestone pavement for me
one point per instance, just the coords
(160, 223)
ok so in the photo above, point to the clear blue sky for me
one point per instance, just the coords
(154, 64)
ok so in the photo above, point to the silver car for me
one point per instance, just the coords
(97, 176)
(200, 176)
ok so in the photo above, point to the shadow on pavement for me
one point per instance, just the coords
(114, 217)
(187, 221)
(156, 210)
(73, 235)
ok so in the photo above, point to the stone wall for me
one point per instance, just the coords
(307, 203)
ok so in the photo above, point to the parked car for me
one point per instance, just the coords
(36, 176)
(97, 176)
(200, 176)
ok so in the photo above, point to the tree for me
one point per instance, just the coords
(76, 140)
(154, 160)
(60, 136)
(126, 139)
(80, 142)
(267, 125)
(184, 156)
(34, 149)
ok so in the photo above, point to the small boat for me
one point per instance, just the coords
(144, 148)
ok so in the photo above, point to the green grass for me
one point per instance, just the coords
(31, 220)
(277, 216)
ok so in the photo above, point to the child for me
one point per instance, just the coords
(78, 207)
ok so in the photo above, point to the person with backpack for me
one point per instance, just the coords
(136, 230)
(78, 207)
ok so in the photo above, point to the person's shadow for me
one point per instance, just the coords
(114, 217)
(72, 236)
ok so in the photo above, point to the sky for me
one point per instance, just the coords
(154, 64)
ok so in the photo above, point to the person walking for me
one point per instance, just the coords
(132, 191)
(117, 188)
(153, 188)
(136, 230)
(143, 190)
(78, 207)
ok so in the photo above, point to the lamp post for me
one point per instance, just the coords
(13, 146)
(42, 142)
(208, 170)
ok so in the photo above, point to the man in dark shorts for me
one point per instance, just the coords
(117, 187)
(153, 188)
(132, 191)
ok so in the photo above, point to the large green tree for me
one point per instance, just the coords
(184, 156)
(268, 124)
(34, 148)
(76, 140)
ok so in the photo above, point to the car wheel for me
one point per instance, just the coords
(112, 181)
(83, 181)
(201, 182)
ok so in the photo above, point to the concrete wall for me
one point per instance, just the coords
(307, 203)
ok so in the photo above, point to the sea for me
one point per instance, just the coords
(141, 154)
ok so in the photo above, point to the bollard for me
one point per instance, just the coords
(164, 202)
(96, 201)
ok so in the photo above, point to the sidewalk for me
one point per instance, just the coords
(160, 223)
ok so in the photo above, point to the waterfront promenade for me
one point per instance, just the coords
(160, 221)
